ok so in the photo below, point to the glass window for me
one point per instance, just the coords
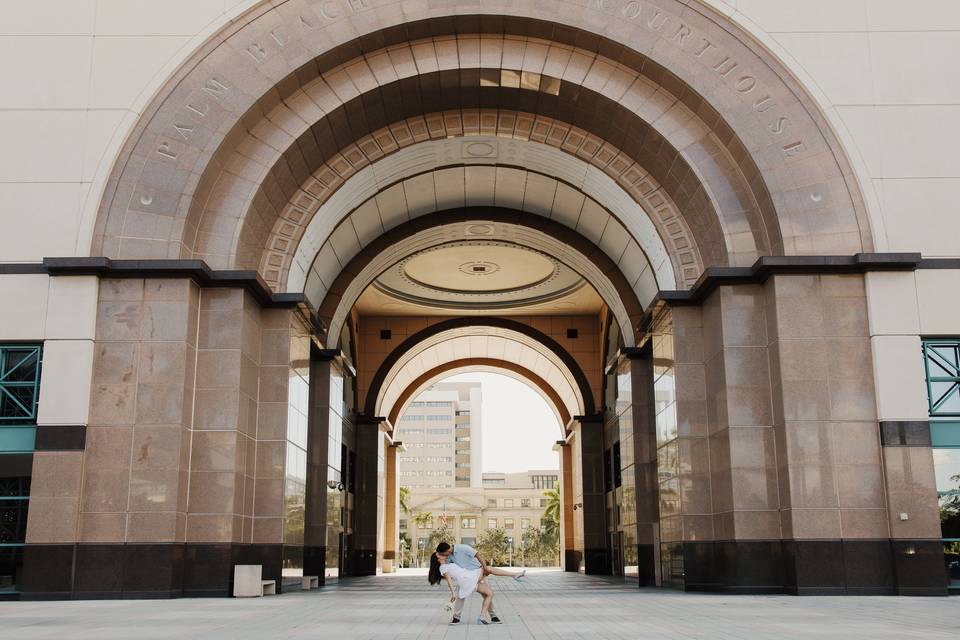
(524, 523)
(14, 501)
(508, 503)
(508, 523)
(942, 361)
(491, 523)
(19, 383)
(492, 503)
(468, 522)
(525, 503)
(543, 502)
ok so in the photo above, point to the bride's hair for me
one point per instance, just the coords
(434, 574)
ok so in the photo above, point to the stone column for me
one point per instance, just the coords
(224, 455)
(683, 469)
(588, 440)
(912, 509)
(831, 481)
(133, 495)
(572, 553)
(62, 420)
(316, 514)
(368, 496)
(745, 554)
(647, 503)
(391, 512)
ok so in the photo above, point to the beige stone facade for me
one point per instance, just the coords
(513, 502)
(717, 236)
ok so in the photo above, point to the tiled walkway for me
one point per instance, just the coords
(544, 605)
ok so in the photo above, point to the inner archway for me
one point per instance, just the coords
(492, 481)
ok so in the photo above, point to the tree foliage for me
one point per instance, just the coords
(494, 547)
(442, 533)
(405, 499)
(550, 520)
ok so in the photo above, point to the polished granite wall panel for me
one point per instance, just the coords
(742, 461)
(831, 481)
(223, 440)
(135, 479)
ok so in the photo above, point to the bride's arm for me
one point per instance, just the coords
(453, 595)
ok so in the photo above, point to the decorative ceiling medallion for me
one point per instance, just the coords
(479, 268)
(479, 150)
(479, 230)
(477, 275)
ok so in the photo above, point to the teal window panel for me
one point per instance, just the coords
(942, 363)
(17, 439)
(945, 435)
(19, 383)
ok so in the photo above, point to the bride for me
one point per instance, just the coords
(468, 581)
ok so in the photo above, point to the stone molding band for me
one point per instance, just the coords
(767, 266)
(196, 270)
(61, 438)
(905, 433)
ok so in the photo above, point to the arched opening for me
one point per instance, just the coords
(488, 474)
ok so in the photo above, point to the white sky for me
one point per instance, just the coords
(518, 427)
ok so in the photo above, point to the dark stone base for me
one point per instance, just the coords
(571, 560)
(596, 562)
(816, 567)
(315, 562)
(361, 562)
(646, 565)
(112, 571)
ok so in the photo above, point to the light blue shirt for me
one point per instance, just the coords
(463, 555)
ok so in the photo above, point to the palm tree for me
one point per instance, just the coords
(551, 513)
(405, 499)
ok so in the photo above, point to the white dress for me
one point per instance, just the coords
(466, 579)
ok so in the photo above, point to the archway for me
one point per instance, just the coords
(351, 157)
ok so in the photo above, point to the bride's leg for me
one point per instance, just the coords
(503, 572)
(487, 593)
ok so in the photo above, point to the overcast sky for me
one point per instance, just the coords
(519, 429)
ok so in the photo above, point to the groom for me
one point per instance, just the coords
(467, 557)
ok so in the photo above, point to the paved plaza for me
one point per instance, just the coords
(545, 605)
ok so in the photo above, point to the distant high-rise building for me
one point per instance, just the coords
(440, 431)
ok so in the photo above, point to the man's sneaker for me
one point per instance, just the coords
(481, 620)
(495, 620)
(455, 620)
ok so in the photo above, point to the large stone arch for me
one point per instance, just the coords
(759, 118)
(373, 401)
(485, 170)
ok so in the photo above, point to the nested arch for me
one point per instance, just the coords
(458, 338)
(561, 408)
(345, 283)
(713, 108)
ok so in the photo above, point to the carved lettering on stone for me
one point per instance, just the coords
(215, 88)
(200, 113)
(166, 151)
(328, 10)
(184, 130)
(687, 39)
(280, 38)
(257, 52)
(793, 149)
